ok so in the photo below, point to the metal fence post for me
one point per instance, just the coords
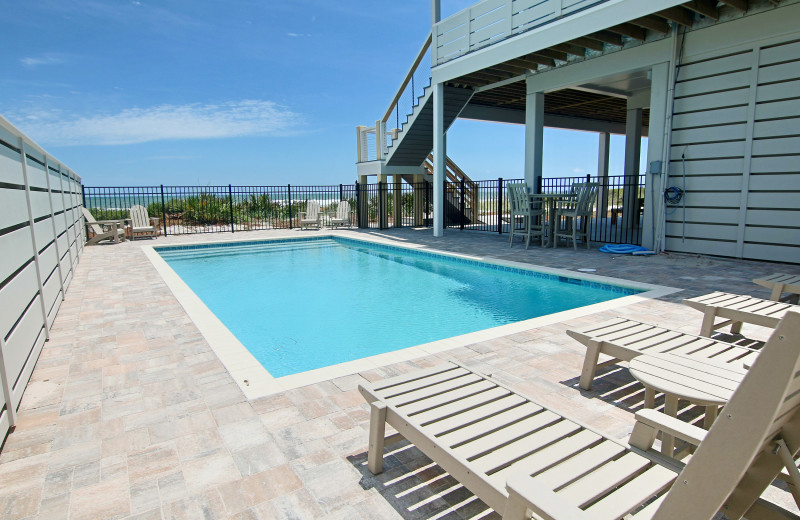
(358, 205)
(289, 195)
(230, 204)
(500, 205)
(381, 209)
(163, 210)
(462, 206)
(341, 193)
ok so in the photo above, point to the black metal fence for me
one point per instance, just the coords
(469, 205)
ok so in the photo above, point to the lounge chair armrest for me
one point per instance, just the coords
(526, 493)
(650, 422)
(154, 221)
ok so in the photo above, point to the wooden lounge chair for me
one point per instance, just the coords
(342, 217)
(521, 458)
(103, 229)
(622, 339)
(141, 223)
(736, 309)
(310, 217)
(780, 283)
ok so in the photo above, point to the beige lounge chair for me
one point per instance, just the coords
(141, 223)
(520, 457)
(780, 283)
(103, 229)
(310, 217)
(342, 217)
(736, 309)
(622, 339)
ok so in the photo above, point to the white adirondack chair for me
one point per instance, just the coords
(103, 229)
(141, 223)
(310, 217)
(342, 217)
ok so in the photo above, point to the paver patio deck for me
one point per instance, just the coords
(129, 413)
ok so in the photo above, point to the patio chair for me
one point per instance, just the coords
(737, 309)
(622, 339)
(311, 216)
(103, 229)
(520, 457)
(142, 223)
(342, 217)
(576, 214)
(521, 207)
(780, 283)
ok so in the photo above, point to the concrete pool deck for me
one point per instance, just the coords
(130, 414)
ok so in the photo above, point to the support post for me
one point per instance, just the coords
(419, 200)
(500, 206)
(602, 174)
(653, 200)
(289, 197)
(230, 204)
(630, 187)
(362, 198)
(53, 223)
(163, 210)
(439, 159)
(534, 135)
(397, 202)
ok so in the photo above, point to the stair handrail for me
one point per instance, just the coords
(453, 177)
(408, 76)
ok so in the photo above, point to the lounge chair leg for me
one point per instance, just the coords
(707, 328)
(668, 441)
(590, 364)
(515, 508)
(377, 432)
(736, 327)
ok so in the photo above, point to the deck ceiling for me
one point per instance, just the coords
(585, 103)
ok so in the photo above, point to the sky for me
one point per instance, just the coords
(200, 92)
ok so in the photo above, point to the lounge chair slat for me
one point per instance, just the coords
(523, 447)
(592, 486)
(555, 453)
(452, 396)
(427, 392)
(491, 442)
(481, 412)
(581, 464)
(647, 512)
(431, 417)
(415, 377)
(487, 424)
(632, 494)
(737, 309)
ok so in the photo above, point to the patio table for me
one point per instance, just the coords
(701, 382)
(549, 200)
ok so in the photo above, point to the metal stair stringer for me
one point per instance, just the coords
(414, 142)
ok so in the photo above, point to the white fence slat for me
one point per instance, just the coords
(713, 84)
(708, 101)
(776, 145)
(773, 235)
(702, 231)
(780, 164)
(702, 247)
(775, 253)
(778, 109)
(775, 199)
(780, 72)
(720, 116)
(708, 151)
(15, 296)
(26, 334)
(767, 217)
(715, 66)
(707, 167)
(777, 128)
(787, 89)
(9, 166)
(779, 53)
(698, 135)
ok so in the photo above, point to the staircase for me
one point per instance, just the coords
(454, 193)
(414, 140)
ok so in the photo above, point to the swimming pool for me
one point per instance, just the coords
(302, 304)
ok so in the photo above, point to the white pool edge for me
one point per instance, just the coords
(255, 381)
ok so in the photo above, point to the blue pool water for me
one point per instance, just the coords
(303, 304)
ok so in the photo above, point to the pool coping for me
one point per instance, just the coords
(255, 381)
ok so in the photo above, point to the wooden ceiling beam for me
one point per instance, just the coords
(741, 5)
(523, 62)
(507, 67)
(606, 37)
(654, 23)
(707, 8)
(589, 43)
(571, 48)
(630, 30)
(678, 15)
(550, 53)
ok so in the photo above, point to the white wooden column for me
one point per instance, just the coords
(654, 199)
(439, 159)
(436, 11)
(633, 147)
(602, 173)
(534, 135)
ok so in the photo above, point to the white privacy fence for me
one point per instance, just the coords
(41, 238)
(490, 21)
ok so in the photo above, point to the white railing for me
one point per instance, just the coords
(491, 21)
(373, 142)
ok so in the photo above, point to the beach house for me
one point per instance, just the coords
(715, 86)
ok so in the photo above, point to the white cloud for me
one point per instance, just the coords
(298, 35)
(45, 59)
(578, 170)
(163, 122)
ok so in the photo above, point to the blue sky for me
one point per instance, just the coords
(242, 91)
